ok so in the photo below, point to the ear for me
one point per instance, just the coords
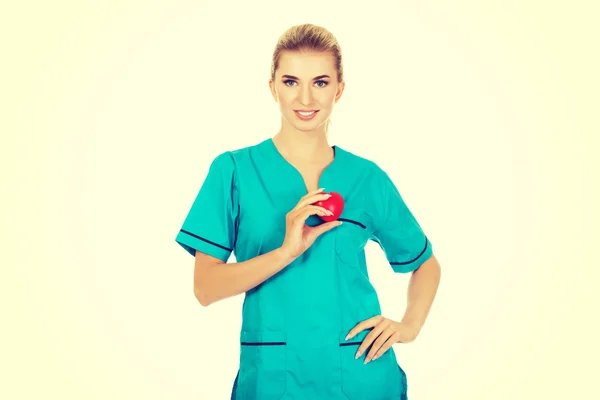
(339, 91)
(273, 92)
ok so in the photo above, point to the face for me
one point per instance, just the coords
(306, 83)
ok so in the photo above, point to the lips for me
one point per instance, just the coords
(306, 115)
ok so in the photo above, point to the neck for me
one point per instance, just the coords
(303, 146)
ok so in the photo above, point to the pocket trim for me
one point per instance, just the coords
(356, 216)
(354, 370)
(356, 340)
(350, 240)
(263, 338)
(263, 365)
(353, 222)
(263, 343)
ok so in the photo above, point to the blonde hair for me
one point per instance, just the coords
(309, 37)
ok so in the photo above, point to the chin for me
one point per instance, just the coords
(309, 130)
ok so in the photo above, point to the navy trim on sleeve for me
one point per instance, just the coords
(205, 240)
(414, 259)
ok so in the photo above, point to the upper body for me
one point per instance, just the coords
(241, 209)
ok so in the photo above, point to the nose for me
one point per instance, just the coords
(306, 95)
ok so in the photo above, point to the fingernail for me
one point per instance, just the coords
(357, 355)
(366, 360)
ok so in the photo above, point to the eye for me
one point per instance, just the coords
(287, 81)
(323, 82)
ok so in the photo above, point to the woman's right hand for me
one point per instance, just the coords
(299, 236)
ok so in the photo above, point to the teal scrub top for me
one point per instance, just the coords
(294, 323)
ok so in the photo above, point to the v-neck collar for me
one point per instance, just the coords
(273, 155)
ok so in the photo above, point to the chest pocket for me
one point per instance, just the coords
(352, 235)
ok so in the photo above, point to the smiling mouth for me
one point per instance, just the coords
(306, 113)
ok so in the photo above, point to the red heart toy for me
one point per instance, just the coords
(335, 204)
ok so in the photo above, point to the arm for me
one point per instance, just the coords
(422, 289)
(215, 280)
(421, 292)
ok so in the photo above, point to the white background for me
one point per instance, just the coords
(483, 113)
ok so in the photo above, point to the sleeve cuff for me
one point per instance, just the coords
(192, 242)
(412, 265)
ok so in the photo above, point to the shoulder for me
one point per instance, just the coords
(240, 155)
(234, 157)
(366, 166)
(372, 177)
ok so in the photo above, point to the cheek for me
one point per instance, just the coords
(285, 99)
(326, 98)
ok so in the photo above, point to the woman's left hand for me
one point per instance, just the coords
(384, 334)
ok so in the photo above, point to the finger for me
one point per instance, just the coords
(311, 200)
(321, 209)
(385, 347)
(367, 323)
(296, 213)
(302, 215)
(381, 339)
(311, 194)
(363, 346)
(321, 229)
(305, 201)
(369, 339)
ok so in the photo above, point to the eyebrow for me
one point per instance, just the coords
(314, 79)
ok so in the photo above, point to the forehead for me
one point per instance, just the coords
(306, 65)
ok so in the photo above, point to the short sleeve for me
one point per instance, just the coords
(211, 223)
(396, 229)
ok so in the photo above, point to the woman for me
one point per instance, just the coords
(311, 325)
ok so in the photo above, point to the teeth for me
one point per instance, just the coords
(306, 114)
